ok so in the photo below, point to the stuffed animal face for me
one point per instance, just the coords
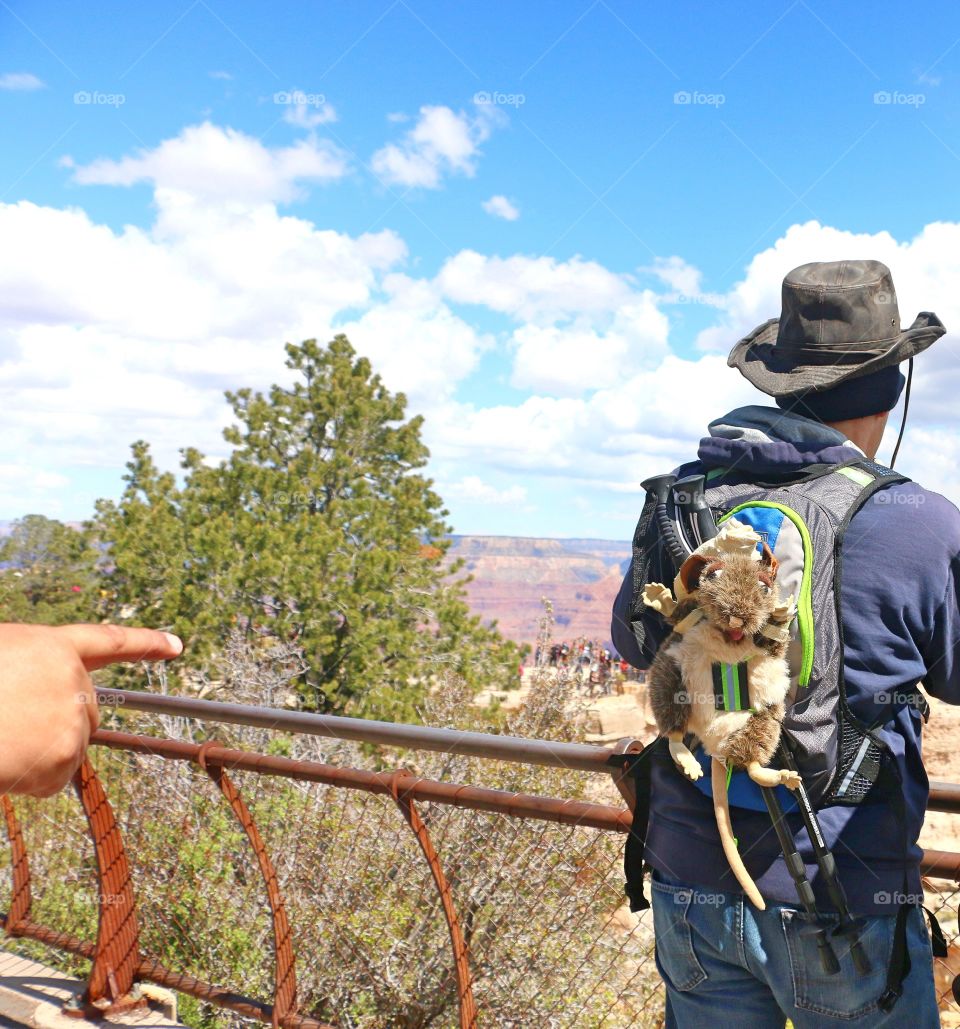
(736, 593)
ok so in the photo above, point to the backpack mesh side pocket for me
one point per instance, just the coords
(859, 762)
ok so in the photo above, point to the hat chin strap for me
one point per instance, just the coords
(906, 407)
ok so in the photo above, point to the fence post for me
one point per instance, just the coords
(20, 900)
(461, 955)
(285, 973)
(117, 955)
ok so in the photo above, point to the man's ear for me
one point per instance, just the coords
(692, 569)
(767, 559)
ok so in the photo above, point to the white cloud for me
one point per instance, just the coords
(442, 142)
(929, 456)
(416, 342)
(307, 111)
(221, 165)
(224, 75)
(681, 277)
(107, 336)
(538, 289)
(25, 489)
(500, 207)
(650, 420)
(474, 490)
(20, 81)
(569, 360)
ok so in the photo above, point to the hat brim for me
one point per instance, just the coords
(778, 374)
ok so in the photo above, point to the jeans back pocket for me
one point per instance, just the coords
(847, 994)
(674, 954)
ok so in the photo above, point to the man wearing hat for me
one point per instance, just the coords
(831, 363)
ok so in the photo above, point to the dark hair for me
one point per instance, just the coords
(855, 398)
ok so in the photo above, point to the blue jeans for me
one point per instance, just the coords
(727, 965)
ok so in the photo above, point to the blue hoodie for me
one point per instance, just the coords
(900, 609)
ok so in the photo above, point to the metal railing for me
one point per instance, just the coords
(480, 846)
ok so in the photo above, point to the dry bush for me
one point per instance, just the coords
(535, 899)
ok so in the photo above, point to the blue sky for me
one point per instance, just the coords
(547, 223)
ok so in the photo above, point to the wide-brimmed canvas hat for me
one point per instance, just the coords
(839, 320)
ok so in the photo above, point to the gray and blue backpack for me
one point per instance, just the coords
(804, 522)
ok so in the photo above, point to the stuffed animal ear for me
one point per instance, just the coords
(768, 560)
(692, 569)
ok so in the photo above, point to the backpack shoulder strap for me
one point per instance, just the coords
(638, 765)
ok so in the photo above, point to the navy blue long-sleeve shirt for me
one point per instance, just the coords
(900, 611)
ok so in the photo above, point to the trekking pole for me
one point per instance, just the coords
(659, 488)
(798, 872)
(688, 497)
(848, 927)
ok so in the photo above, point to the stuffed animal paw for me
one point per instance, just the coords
(685, 760)
(660, 598)
(789, 778)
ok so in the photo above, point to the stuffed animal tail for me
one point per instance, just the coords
(721, 809)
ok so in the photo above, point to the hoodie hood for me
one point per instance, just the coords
(766, 441)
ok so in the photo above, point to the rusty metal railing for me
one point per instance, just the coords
(581, 756)
(117, 961)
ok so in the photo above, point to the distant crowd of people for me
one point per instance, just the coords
(590, 662)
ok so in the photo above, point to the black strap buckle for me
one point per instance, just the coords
(919, 701)
(889, 997)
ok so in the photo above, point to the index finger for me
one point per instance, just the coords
(99, 645)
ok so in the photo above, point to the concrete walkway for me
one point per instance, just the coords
(33, 995)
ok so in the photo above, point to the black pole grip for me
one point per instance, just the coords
(659, 488)
(688, 494)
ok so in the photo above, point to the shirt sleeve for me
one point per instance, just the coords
(900, 597)
(940, 653)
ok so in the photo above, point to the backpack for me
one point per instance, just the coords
(841, 759)
(803, 521)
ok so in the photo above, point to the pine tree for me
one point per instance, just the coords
(48, 573)
(320, 529)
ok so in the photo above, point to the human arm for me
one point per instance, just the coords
(940, 653)
(48, 708)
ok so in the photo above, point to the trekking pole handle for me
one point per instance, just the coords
(688, 494)
(659, 488)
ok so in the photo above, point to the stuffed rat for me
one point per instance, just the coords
(722, 674)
